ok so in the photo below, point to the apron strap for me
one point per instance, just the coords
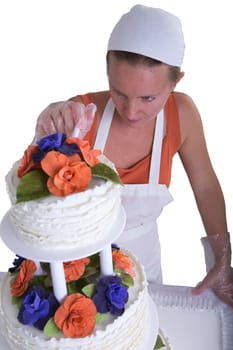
(157, 149)
(104, 126)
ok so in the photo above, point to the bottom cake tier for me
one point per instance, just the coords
(135, 329)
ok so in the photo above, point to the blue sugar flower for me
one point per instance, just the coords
(69, 148)
(37, 308)
(115, 246)
(111, 296)
(17, 263)
(54, 142)
(48, 143)
(51, 142)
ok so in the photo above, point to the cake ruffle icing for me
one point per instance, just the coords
(100, 312)
(63, 193)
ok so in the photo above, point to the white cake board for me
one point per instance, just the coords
(191, 322)
(7, 232)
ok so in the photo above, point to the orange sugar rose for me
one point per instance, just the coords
(89, 155)
(67, 174)
(122, 261)
(20, 283)
(54, 161)
(26, 163)
(75, 269)
(76, 316)
(70, 179)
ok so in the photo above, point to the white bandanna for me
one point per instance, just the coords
(151, 32)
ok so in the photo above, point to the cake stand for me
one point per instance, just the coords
(11, 240)
(56, 257)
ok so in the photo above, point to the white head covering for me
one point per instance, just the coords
(151, 32)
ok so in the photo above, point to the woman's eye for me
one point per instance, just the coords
(118, 94)
(148, 98)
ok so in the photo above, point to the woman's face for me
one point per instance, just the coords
(139, 92)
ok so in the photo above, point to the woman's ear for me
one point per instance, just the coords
(179, 77)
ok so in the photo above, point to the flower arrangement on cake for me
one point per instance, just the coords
(90, 297)
(60, 166)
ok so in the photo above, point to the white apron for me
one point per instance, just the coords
(143, 203)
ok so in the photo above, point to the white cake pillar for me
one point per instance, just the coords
(106, 264)
(39, 270)
(58, 279)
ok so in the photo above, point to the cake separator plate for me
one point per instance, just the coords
(7, 233)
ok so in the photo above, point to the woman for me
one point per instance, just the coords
(140, 124)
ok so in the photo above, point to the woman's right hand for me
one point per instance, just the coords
(63, 117)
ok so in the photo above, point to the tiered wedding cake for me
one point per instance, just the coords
(71, 288)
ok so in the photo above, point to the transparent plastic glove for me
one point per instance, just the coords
(63, 117)
(219, 272)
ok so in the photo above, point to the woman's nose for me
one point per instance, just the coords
(130, 109)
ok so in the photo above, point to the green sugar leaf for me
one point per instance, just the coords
(72, 287)
(105, 172)
(81, 282)
(50, 329)
(127, 280)
(33, 185)
(16, 301)
(100, 317)
(90, 271)
(89, 290)
(159, 343)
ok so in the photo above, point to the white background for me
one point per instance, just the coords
(54, 49)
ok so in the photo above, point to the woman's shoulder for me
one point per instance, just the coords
(189, 115)
(185, 103)
(183, 99)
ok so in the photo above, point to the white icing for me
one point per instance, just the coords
(126, 332)
(74, 220)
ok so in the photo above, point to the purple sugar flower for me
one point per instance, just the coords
(17, 263)
(50, 142)
(115, 246)
(111, 296)
(54, 142)
(37, 308)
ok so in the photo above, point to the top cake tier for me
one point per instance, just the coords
(62, 224)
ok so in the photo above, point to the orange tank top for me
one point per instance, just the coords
(139, 172)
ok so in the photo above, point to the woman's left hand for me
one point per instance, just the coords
(219, 272)
(220, 280)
